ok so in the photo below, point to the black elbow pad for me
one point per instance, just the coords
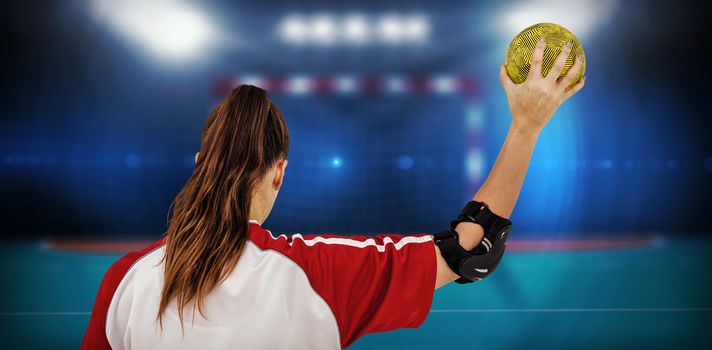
(478, 263)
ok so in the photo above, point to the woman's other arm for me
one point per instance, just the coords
(532, 105)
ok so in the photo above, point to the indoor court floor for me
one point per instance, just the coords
(641, 293)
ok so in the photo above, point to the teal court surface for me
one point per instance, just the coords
(642, 293)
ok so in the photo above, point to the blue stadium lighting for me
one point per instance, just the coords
(547, 164)
(336, 162)
(23, 160)
(405, 162)
(571, 164)
(474, 117)
(34, 160)
(606, 164)
(299, 85)
(133, 160)
(346, 84)
(474, 164)
(395, 84)
(444, 85)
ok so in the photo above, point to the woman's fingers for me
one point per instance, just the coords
(504, 78)
(574, 89)
(560, 62)
(537, 57)
(573, 71)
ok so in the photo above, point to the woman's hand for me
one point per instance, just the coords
(534, 101)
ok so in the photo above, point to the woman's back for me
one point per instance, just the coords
(313, 292)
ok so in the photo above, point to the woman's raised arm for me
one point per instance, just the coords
(532, 105)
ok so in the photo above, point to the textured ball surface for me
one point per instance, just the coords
(521, 50)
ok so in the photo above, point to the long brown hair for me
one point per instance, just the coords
(243, 137)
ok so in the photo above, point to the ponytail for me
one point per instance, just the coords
(243, 137)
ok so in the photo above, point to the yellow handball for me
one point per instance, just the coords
(521, 50)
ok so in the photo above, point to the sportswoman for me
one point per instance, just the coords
(219, 280)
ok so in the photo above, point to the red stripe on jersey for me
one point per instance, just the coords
(372, 284)
(95, 337)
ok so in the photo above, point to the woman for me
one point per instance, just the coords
(220, 280)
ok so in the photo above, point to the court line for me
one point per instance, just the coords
(554, 310)
(445, 311)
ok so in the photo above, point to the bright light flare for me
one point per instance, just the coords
(346, 84)
(299, 85)
(323, 30)
(294, 29)
(416, 29)
(395, 84)
(390, 29)
(169, 30)
(474, 164)
(356, 29)
(444, 84)
(336, 162)
(588, 17)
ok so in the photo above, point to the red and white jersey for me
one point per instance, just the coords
(298, 292)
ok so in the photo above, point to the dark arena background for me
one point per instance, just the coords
(396, 115)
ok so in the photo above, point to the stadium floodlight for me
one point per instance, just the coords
(346, 84)
(336, 162)
(356, 29)
(416, 29)
(589, 16)
(444, 84)
(169, 30)
(323, 29)
(294, 29)
(299, 85)
(395, 84)
(390, 29)
(474, 164)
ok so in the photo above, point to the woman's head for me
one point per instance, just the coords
(237, 176)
